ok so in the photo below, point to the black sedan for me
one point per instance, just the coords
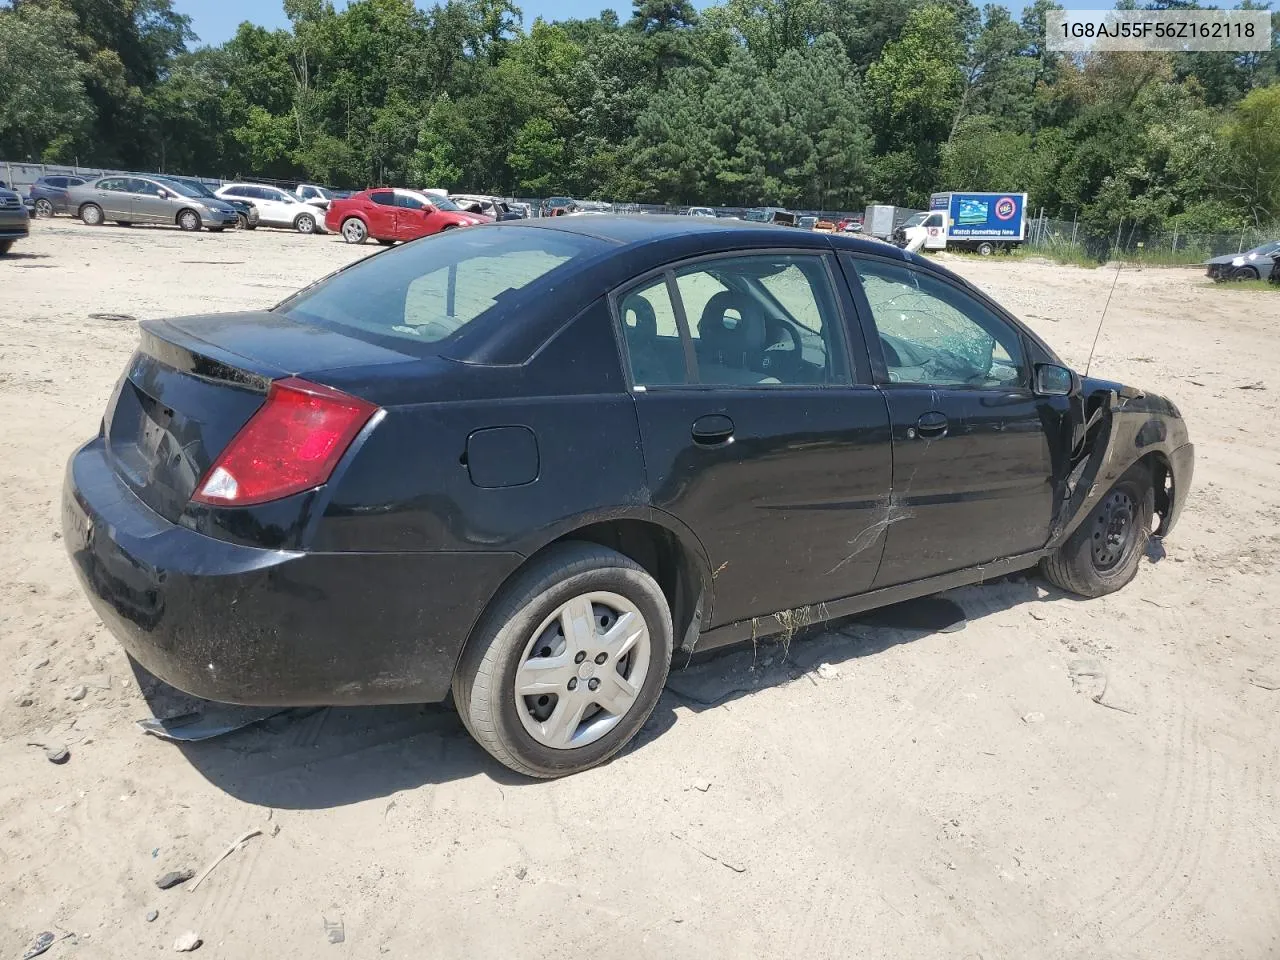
(525, 462)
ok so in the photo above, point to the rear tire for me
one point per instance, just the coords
(387, 243)
(305, 223)
(189, 220)
(1104, 552)
(124, 223)
(986, 249)
(507, 650)
(354, 230)
(91, 214)
(44, 208)
(216, 229)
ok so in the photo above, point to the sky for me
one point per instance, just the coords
(215, 21)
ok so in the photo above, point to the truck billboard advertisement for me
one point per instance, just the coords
(982, 216)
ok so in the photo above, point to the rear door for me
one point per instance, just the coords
(382, 214)
(972, 474)
(758, 431)
(113, 197)
(411, 216)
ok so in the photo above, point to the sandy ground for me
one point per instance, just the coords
(927, 795)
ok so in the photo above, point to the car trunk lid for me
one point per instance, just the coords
(195, 382)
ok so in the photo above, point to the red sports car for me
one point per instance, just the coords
(388, 214)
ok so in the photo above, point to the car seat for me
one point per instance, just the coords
(731, 341)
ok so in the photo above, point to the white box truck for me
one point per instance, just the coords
(982, 222)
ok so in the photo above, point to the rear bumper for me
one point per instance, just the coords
(247, 625)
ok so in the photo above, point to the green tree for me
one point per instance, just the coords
(44, 111)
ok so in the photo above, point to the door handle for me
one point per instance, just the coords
(931, 426)
(712, 430)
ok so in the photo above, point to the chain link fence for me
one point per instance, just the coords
(1132, 241)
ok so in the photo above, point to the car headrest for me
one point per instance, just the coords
(646, 320)
(731, 325)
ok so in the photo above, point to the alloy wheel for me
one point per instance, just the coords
(582, 670)
(353, 231)
(44, 208)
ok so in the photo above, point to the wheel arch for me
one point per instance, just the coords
(670, 552)
(177, 217)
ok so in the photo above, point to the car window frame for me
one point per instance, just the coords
(871, 333)
(857, 366)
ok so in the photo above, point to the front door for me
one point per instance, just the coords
(147, 204)
(935, 225)
(755, 434)
(972, 474)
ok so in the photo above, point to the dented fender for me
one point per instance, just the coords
(1120, 426)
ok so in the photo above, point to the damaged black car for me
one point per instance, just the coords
(525, 463)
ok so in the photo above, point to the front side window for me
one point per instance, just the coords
(761, 320)
(933, 333)
(407, 201)
(426, 291)
(113, 184)
(147, 188)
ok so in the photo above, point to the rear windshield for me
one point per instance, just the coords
(427, 290)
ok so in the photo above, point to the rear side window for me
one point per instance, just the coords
(384, 199)
(74, 181)
(428, 290)
(56, 181)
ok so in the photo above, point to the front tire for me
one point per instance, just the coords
(1103, 554)
(91, 214)
(1245, 273)
(189, 221)
(305, 223)
(354, 230)
(567, 662)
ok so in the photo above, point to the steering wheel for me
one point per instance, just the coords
(778, 358)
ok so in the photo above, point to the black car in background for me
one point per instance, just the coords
(48, 195)
(14, 224)
(524, 462)
(246, 212)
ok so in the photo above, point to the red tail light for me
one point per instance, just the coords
(291, 444)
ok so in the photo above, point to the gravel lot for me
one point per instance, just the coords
(925, 795)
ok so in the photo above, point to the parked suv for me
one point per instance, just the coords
(129, 200)
(13, 220)
(276, 207)
(48, 195)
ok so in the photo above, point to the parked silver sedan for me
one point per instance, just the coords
(133, 199)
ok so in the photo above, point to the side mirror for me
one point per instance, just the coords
(1054, 381)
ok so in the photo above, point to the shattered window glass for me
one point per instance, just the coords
(932, 333)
